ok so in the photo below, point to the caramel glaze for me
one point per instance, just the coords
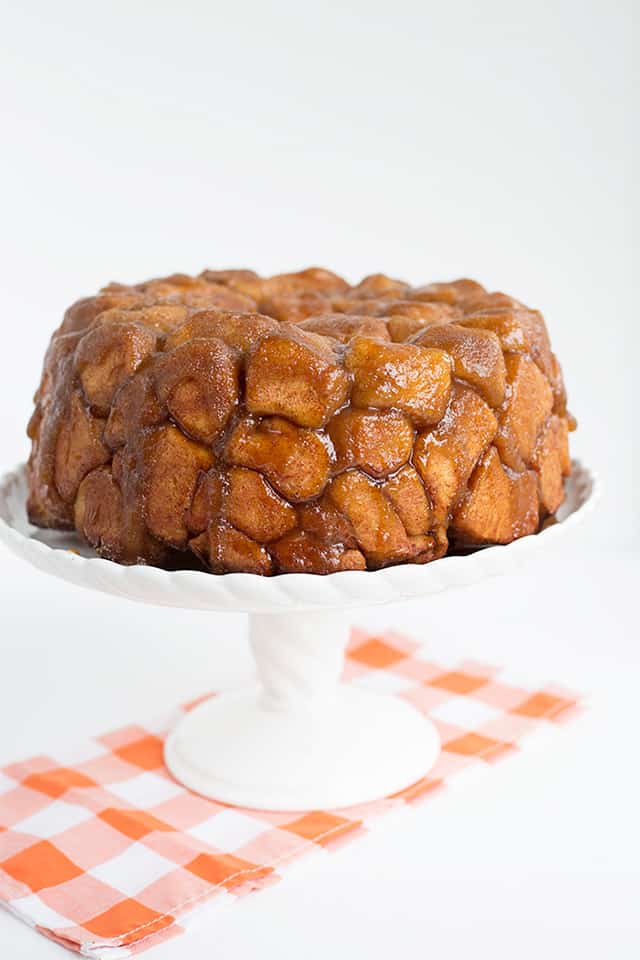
(296, 422)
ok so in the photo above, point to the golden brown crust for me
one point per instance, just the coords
(297, 423)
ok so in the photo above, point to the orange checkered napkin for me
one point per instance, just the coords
(103, 852)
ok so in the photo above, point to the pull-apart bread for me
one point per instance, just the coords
(297, 423)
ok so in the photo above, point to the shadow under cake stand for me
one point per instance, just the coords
(302, 740)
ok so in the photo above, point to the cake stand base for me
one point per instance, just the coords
(236, 750)
(304, 740)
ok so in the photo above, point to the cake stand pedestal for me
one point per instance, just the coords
(302, 740)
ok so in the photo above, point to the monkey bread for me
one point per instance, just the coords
(297, 423)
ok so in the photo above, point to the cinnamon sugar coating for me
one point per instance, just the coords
(297, 423)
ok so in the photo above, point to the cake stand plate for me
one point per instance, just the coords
(301, 740)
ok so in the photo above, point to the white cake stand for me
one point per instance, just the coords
(303, 740)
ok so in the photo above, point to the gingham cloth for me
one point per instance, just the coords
(102, 851)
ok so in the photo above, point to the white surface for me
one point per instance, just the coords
(427, 140)
(301, 740)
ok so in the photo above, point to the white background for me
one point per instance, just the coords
(428, 141)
